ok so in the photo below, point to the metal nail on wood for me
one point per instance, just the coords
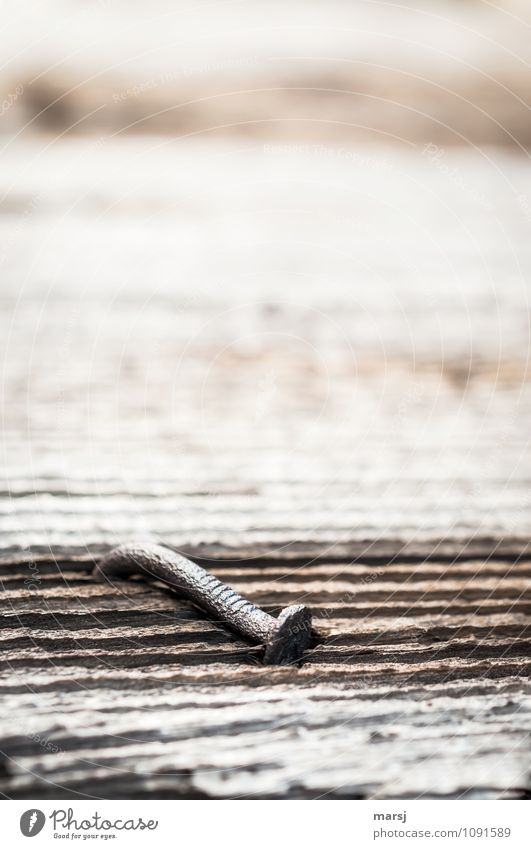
(285, 639)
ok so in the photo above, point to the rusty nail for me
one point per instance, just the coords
(285, 639)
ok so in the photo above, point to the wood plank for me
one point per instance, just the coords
(368, 415)
(168, 703)
(362, 447)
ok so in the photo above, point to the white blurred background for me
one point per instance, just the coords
(270, 252)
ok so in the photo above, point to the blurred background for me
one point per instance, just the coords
(264, 295)
(273, 255)
(451, 71)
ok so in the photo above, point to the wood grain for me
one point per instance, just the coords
(333, 433)
(418, 688)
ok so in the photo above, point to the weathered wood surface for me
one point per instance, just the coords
(418, 689)
(318, 419)
(322, 380)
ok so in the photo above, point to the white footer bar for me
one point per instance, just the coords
(268, 824)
